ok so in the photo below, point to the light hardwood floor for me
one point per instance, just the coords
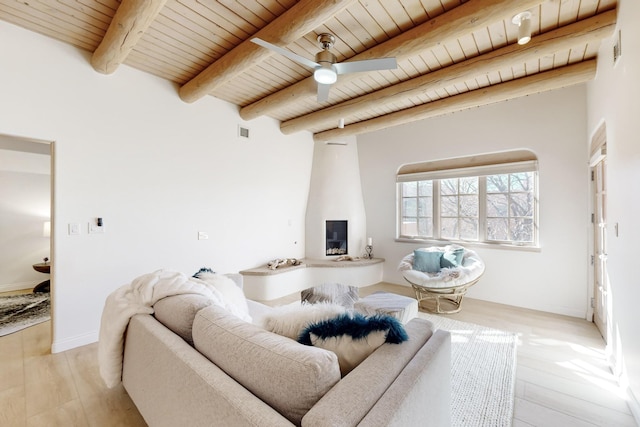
(562, 377)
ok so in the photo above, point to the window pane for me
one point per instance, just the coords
(425, 188)
(522, 204)
(409, 189)
(409, 227)
(497, 229)
(521, 181)
(449, 205)
(425, 227)
(469, 228)
(497, 183)
(521, 230)
(469, 206)
(497, 205)
(425, 206)
(449, 186)
(409, 207)
(449, 228)
(469, 185)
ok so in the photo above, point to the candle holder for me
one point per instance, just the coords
(369, 252)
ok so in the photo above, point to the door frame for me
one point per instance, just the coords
(598, 154)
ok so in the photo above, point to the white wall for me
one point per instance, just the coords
(613, 99)
(25, 187)
(158, 170)
(553, 126)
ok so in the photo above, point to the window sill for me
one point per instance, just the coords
(485, 245)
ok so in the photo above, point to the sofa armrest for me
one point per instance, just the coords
(422, 393)
(349, 401)
(172, 384)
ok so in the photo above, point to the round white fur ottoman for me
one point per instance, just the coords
(401, 307)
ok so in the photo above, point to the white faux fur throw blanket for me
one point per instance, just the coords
(139, 297)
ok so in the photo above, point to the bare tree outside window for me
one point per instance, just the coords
(459, 208)
(510, 207)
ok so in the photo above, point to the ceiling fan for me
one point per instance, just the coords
(326, 66)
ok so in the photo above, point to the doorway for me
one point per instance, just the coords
(26, 178)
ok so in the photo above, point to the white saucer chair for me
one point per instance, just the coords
(448, 284)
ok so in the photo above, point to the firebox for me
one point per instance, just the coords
(337, 240)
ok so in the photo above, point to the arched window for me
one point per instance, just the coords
(487, 198)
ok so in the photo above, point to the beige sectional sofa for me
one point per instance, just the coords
(238, 374)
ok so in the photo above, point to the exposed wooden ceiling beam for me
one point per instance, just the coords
(302, 18)
(473, 15)
(129, 23)
(589, 30)
(541, 82)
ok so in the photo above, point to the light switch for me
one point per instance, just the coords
(203, 235)
(74, 228)
(95, 228)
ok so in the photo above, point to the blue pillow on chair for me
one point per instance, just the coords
(427, 261)
(452, 258)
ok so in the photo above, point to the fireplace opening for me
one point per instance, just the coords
(337, 242)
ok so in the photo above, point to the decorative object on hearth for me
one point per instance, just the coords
(18, 312)
(369, 252)
(369, 249)
(347, 258)
(283, 262)
(326, 66)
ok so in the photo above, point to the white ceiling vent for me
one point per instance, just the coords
(243, 132)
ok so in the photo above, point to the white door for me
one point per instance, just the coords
(601, 279)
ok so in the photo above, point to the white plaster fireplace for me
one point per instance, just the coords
(335, 194)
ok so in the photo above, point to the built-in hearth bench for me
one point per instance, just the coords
(264, 284)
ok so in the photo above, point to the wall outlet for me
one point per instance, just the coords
(203, 235)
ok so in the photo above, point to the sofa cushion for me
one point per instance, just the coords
(291, 320)
(231, 293)
(177, 313)
(353, 337)
(288, 376)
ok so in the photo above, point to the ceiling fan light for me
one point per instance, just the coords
(325, 74)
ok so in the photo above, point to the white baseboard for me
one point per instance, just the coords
(19, 286)
(59, 346)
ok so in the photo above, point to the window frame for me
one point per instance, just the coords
(481, 172)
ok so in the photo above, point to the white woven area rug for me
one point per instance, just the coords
(483, 370)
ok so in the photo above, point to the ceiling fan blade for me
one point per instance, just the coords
(284, 52)
(323, 92)
(366, 65)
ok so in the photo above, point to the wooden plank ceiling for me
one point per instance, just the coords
(451, 54)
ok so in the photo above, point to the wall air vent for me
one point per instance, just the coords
(243, 132)
(617, 48)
